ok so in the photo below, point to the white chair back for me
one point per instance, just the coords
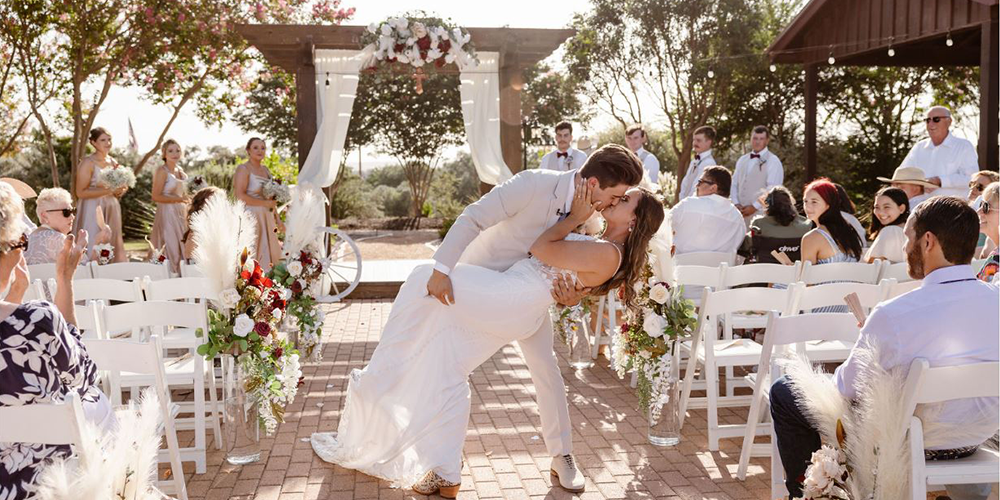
(806, 298)
(158, 314)
(88, 319)
(190, 270)
(857, 272)
(896, 271)
(695, 278)
(771, 274)
(178, 289)
(713, 259)
(897, 289)
(52, 423)
(104, 289)
(45, 272)
(128, 271)
(35, 291)
(717, 303)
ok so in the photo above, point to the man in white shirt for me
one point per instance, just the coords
(948, 161)
(708, 222)
(950, 320)
(912, 181)
(756, 173)
(701, 146)
(564, 157)
(635, 139)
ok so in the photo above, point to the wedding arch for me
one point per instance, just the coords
(326, 61)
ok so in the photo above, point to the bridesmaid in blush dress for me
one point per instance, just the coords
(248, 183)
(92, 195)
(170, 222)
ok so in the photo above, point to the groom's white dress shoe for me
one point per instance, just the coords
(564, 470)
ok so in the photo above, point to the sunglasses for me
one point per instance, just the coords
(936, 119)
(66, 212)
(20, 245)
(985, 207)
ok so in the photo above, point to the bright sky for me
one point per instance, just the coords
(148, 120)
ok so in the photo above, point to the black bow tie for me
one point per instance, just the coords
(560, 154)
(697, 157)
(754, 155)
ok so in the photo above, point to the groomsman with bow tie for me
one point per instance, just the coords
(635, 139)
(565, 157)
(756, 172)
(701, 145)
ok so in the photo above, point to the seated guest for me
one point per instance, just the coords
(55, 211)
(979, 181)
(946, 160)
(708, 222)
(989, 224)
(45, 359)
(780, 229)
(832, 239)
(848, 211)
(911, 180)
(25, 192)
(198, 203)
(888, 217)
(565, 157)
(942, 322)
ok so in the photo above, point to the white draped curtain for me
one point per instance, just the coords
(480, 91)
(334, 101)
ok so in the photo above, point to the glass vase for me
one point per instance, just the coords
(578, 341)
(241, 425)
(664, 407)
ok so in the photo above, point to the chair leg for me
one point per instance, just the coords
(598, 329)
(778, 489)
(686, 391)
(752, 419)
(214, 400)
(199, 415)
(174, 450)
(712, 391)
(728, 332)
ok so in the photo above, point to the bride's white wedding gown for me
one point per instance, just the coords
(406, 413)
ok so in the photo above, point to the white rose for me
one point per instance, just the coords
(287, 294)
(637, 287)
(659, 293)
(242, 326)
(294, 268)
(373, 27)
(386, 29)
(653, 325)
(277, 314)
(229, 298)
(419, 30)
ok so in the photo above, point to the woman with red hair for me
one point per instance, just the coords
(832, 238)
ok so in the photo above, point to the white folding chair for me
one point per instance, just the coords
(46, 271)
(184, 371)
(611, 300)
(35, 291)
(128, 271)
(713, 259)
(894, 270)
(190, 270)
(105, 289)
(695, 279)
(89, 318)
(142, 358)
(897, 289)
(770, 274)
(933, 385)
(711, 354)
(783, 332)
(858, 272)
(808, 298)
(52, 423)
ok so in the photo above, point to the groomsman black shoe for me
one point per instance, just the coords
(565, 471)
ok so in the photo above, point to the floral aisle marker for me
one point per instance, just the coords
(303, 268)
(418, 42)
(569, 324)
(261, 371)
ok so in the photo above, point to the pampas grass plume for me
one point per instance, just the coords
(221, 231)
(306, 213)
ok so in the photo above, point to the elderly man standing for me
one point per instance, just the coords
(946, 160)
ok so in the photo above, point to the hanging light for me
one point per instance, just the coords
(831, 59)
(327, 78)
(948, 41)
(892, 51)
(711, 74)
(773, 68)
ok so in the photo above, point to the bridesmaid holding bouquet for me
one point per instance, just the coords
(248, 183)
(93, 193)
(170, 222)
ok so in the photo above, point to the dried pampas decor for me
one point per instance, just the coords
(221, 231)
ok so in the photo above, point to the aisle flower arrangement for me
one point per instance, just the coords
(301, 274)
(567, 320)
(418, 42)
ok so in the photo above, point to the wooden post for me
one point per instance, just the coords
(812, 78)
(989, 94)
(510, 110)
(305, 104)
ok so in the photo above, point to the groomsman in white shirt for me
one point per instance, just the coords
(708, 222)
(701, 145)
(756, 172)
(635, 139)
(565, 157)
(946, 160)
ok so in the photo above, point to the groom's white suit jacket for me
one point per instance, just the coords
(497, 231)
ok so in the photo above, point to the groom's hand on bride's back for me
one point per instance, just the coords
(568, 291)
(439, 286)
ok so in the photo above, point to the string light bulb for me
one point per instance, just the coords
(948, 41)
(831, 59)
(711, 74)
(773, 68)
(892, 51)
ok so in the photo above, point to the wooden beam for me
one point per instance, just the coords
(811, 83)
(989, 95)
(305, 105)
(511, 81)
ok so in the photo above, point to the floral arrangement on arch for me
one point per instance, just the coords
(418, 42)
(647, 340)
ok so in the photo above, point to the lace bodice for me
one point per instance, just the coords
(44, 245)
(550, 273)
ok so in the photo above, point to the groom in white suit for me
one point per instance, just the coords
(497, 231)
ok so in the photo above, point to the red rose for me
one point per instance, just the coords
(162, 258)
(296, 287)
(277, 353)
(245, 275)
(263, 329)
(424, 43)
(624, 328)
(105, 253)
(302, 381)
(304, 258)
(444, 46)
(440, 62)
(398, 47)
(266, 282)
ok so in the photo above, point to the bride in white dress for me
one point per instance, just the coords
(406, 413)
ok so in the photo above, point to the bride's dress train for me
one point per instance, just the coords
(406, 413)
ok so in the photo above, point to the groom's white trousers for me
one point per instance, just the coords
(550, 389)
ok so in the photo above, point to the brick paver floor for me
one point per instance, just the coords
(504, 453)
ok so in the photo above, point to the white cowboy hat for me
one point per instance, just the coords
(909, 175)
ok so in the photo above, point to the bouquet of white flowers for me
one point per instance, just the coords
(117, 177)
(275, 190)
(105, 253)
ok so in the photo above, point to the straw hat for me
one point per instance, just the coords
(584, 143)
(909, 175)
(23, 190)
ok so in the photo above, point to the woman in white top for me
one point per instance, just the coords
(889, 215)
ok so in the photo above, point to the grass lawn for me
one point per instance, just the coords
(136, 246)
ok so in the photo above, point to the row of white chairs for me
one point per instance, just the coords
(115, 271)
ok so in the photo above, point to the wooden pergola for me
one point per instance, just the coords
(861, 32)
(291, 47)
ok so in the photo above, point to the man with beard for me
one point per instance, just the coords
(950, 320)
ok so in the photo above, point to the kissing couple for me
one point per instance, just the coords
(504, 262)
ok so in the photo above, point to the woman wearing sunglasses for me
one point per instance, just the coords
(56, 214)
(989, 224)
